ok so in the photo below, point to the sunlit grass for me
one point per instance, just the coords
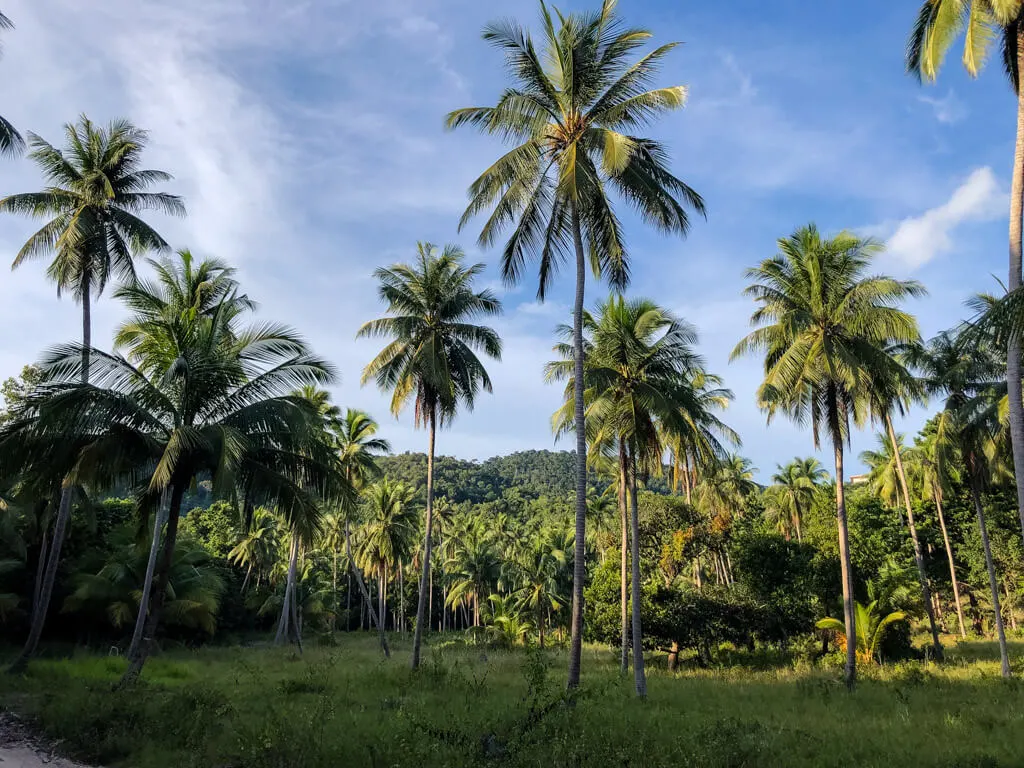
(346, 706)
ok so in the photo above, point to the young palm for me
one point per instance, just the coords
(982, 22)
(571, 113)
(823, 326)
(358, 448)
(432, 357)
(11, 142)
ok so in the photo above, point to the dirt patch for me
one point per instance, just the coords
(20, 748)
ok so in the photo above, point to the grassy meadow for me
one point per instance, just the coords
(346, 706)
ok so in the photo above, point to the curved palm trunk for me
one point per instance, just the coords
(42, 605)
(993, 583)
(147, 584)
(421, 602)
(37, 585)
(952, 562)
(1013, 371)
(850, 671)
(623, 561)
(639, 677)
(60, 527)
(796, 518)
(579, 565)
(159, 588)
(926, 593)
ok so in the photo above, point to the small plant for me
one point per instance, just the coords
(871, 629)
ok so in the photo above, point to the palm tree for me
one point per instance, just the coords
(474, 566)
(931, 454)
(432, 357)
(358, 448)
(641, 360)
(823, 326)
(217, 403)
(387, 534)
(939, 22)
(11, 142)
(536, 576)
(965, 375)
(797, 482)
(872, 628)
(95, 189)
(257, 547)
(569, 114)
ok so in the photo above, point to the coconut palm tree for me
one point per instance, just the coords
(571, 113)
(387, 534)
(432, 357)
(797, 482)
(823, 326)
(965, 375)
(474, 566)
(359, 448)
(536, 578)
(11, 142)
(982, 22)
(95, 190)
(637, 374)
(872, 628)
(932, 456)
(219, 403)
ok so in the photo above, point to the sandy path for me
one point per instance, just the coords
(18, 749)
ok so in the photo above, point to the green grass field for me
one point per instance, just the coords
(345, 706)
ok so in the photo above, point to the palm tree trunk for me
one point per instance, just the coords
(639, 677)
(42, 605)
(1013, 362)
(348, 602)
(147, 584)
(623, 561)
(159, 591)
(992, 581)
(952, 563)
(926, 593)
(288, 607)
(686, 480)
(334, 587)
(296, 612)
(850, 671)
(401, 597)
(37, 585)
(796, 518)
(579, 565)
(367, 601)
(421, 602)
(1009, 605)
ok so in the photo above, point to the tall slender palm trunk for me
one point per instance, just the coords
(993, 583)
(926, 593)
(287, 607)
(421, 602)
(952, 562)
(850, 671)
(623, 561)
(37, 585)
(579, 566)
(158, 593)
(147, 584)
(639, 676)
(1013, 362)
(41, 606)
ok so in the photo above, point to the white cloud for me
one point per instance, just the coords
(919, 239)
(947, 110)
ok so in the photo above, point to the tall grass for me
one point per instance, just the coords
(345, 706)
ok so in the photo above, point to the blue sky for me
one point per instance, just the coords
(307, 139)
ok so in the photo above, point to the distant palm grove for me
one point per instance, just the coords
(190, 482)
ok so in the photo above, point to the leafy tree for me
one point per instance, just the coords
(570, 112)
(15, 391)
(432, 357)
(824, 326)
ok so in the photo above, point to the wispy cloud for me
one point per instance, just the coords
(948, 109)
(920, 239)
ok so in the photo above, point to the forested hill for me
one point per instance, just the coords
(526, 474)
